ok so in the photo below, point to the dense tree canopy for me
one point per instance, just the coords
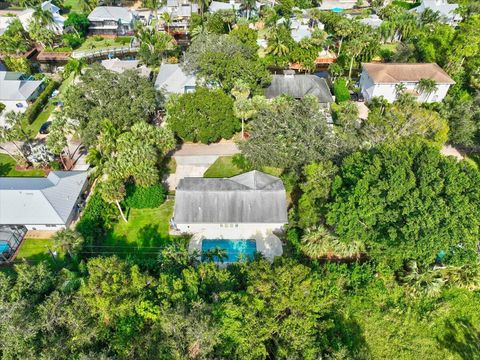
(124, 99)
(204, 115)
(407, 201)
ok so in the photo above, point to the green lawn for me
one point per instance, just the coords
(224, 167)
(35, 250)
(96, 42)
(7, 168)
(74, 5)
(145, 233)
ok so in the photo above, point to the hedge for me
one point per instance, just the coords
(144, 197)
(36, 108)
(340, 90)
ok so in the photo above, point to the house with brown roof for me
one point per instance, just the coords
(379, 79)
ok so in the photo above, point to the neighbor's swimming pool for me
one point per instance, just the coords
(235, 249)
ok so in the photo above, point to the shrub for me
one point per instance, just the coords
(2, 107)
(37, 106)
(340, 91)
(124, 40)
(97, 218)
(17, 64)
(144, 197)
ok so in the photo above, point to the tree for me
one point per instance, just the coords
(78, 22)
(243, 106)
(290, 133)
(167, 19)
(463, 115)
(124, 99)
(204, 115)
(154, 45)
(247, 6)
(57, 141)
(113, 191)
(426, 87)
(68, 241)
(14, 132)
(153, 5)
(15, 40)
(402, 202)
(73, 66)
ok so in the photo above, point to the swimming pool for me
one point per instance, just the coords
(236, 249)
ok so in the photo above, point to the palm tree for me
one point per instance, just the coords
(247, 6)
(167, 18)
(428, 282)
(399, 89)
(243, 106)
(427, 87)
(68, 241)
(354, 48)
(342, 29)
(276, 46)
(73, 66)
(113, 191)
(215, 254)
(320, 242)
(203, 6)
(42, 17)
(153, 5)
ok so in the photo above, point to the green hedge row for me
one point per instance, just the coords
(340, 90)
(36, 108)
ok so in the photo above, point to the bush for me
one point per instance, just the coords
(72, 40)
(97, 218)
(37, 107)
(17, 64)
(2, 107)
(340, 91)
(144, 197)
(124, 40)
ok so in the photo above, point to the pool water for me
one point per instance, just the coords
(4, 246)
(235, 249)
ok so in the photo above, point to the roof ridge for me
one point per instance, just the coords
(53, 207)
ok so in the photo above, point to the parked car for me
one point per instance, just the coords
(44, 129)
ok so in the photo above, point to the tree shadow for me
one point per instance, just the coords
(150, 236)
(347, 340)
(461, 337)
(5, 169)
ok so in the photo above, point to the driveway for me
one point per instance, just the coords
(194, 159)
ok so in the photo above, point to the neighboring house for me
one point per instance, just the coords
(173, 80)
(119, 66)
(447, 11)
(381, 80)
(26, 17)
(233, 5)
(302, 29)
(47, 204)
(17, 91)
(297, 86)
(251, 206)
(372, 20)
(111, 20)
(180, 12)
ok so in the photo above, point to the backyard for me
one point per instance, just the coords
(7, 168)
(98, 42)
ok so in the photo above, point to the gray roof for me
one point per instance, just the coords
(253, 197)
(297, 86)
(113, 13)
(173, 79)
(14, 88)
(119, 66)
(35, 201)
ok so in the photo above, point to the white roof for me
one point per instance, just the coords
(13, 87)
(218, 5)
(119, 66)
(26, 16)
(112, 13)
(40, 201)
(442, 6)
(373, 20)
(173, 79)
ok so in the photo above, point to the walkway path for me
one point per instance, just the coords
(194, 159)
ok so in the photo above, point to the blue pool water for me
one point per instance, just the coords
(4, 246)
(236, 249)
(337, 10)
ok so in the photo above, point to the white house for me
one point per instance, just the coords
(446, 10)
(26, 17)
(248, 203)
(302, 28)
(17, 91)
(173, 80)
(381, 79)
(41, 203)
(111, 20)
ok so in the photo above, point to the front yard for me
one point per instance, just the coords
(7, 168)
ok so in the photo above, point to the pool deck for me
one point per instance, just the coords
(267, 244)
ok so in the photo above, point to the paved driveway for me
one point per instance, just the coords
(194, 159)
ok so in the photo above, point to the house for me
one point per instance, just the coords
(297, 86)
(173, 80)
(119, 66)
(17, 91)
(372, 20)
(180, 12)
(382, 79)
(44, 204)
(249, 206)
(235, 6)
(446, 10)
(26, 17)
(111, 20)
(301, 29)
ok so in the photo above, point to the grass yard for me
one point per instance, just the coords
(223, 167)
(145, 233)
(74, 5)
(35, 250)
(7, 168)
(97, 42)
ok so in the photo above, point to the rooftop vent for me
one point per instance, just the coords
(289, 74)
